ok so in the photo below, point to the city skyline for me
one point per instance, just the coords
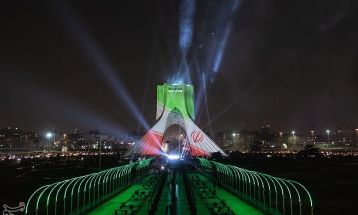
(297, 73)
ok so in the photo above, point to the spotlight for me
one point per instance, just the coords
(173, 157)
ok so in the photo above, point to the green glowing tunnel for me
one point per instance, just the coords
(81, 194)
(271, 194)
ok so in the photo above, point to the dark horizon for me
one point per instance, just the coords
(289, 64)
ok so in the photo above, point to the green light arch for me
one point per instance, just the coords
(84, 192)
(252, 187)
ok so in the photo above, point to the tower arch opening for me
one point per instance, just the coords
(174, 140)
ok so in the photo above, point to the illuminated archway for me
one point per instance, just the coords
(175, 106)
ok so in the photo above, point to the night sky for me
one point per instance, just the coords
(291, 64)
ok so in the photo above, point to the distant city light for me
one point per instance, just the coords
(328, 131)
(293, 133)
(49, 135)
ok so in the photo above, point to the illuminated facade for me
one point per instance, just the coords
(175, 106)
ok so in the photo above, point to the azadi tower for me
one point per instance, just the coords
(175, 106)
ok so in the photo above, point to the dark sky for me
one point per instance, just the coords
(291, 64)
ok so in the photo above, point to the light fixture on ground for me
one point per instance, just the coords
(173, 157)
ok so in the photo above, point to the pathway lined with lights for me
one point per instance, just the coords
(182, 201)
(164, 200)
(236, 205)
(111, 205)
(213, 188)
(233, 202)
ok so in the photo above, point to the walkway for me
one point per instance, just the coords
(236, 204)
(111, 205)
(164, 200)
(182, 202)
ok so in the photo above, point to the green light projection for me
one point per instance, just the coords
(180, 96)
(85, 192)
(271, 194)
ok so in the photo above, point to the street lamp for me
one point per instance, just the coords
(49, 136)
(293, 137)
(313, 139)
(100, 155)
(328, 131)
(235, 140)
(280, 138)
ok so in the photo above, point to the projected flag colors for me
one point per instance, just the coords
(175, 106)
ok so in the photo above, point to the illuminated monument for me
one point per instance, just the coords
(175, 106)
